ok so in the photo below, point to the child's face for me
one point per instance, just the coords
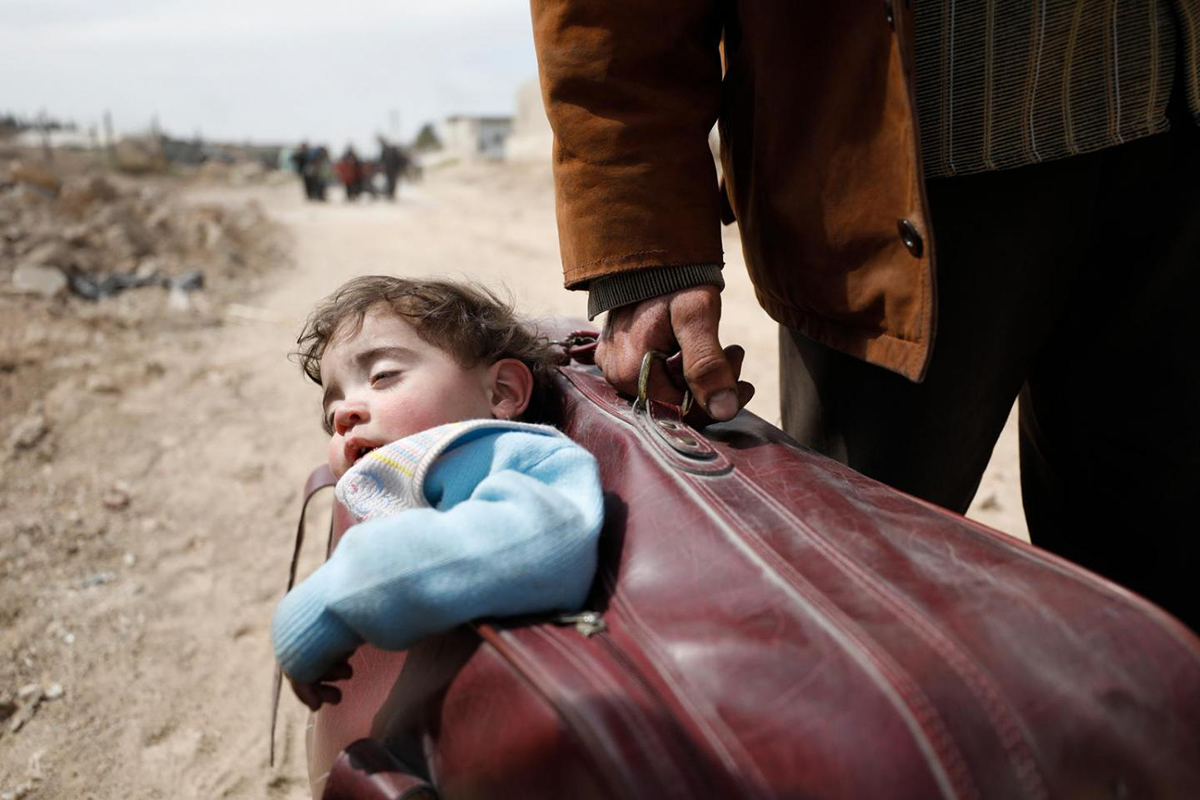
(385, 382)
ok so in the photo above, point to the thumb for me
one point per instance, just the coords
(695, 318)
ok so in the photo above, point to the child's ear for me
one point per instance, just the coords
(512, 386)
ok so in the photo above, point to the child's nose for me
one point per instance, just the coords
(348, 415)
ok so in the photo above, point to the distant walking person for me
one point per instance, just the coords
(308, 162)
(394, 162)
(349, 170)
(318, 168)
(299, 159)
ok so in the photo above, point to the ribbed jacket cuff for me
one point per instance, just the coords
(307, 637)
(614, 291)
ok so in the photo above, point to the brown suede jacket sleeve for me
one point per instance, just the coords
(632, 89)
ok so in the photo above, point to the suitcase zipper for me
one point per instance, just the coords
(588, 623)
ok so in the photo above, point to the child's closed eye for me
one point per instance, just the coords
(384, 375)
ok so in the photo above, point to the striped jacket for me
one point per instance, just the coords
(1004, 83)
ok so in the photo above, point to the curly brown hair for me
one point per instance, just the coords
(467, 320)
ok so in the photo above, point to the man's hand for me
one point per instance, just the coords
(687, 321)
(318, 692)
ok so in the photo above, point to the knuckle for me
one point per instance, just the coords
(617, 372)
(704, 367)
(698, 305)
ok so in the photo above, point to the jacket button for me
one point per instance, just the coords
(910, 237)
(887, 12)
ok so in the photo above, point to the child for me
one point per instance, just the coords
(462, 512)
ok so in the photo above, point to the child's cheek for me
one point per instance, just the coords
(336, 456)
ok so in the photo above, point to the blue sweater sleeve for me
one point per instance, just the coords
(512, 529)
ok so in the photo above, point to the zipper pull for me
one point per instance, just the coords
(589, 623)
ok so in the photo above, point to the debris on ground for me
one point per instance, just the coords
(116, 498)
(28, 432)
(95, 287)
(97, 579)
(7, 709)
(29, 698)
(37, 279)
(96, 236)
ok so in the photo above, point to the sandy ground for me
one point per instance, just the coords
(144, 624)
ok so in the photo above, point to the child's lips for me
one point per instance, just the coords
(357, 448)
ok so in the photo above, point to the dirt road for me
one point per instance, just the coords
(151, 544)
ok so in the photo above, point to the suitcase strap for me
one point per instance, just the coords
(321, 478)
(578, 346)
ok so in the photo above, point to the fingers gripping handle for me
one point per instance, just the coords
(644, 382)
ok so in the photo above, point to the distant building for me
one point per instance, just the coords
(469, 137)
(531, 138)
(64, 137)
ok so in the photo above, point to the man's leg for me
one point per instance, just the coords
(1009, 245)
(1110, 418)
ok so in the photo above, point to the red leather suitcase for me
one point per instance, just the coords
(768, 623)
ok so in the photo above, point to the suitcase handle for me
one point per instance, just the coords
(674, 363)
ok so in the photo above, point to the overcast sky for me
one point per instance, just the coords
(264, 70)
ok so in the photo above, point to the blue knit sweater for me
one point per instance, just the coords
(511, 528)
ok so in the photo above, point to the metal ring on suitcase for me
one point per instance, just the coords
(644, 384)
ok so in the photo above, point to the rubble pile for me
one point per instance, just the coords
(92, 236)
(244, 173)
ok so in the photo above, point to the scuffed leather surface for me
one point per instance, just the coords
(789, 628)
(366, 771)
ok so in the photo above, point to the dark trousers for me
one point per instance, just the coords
(1074, 285)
